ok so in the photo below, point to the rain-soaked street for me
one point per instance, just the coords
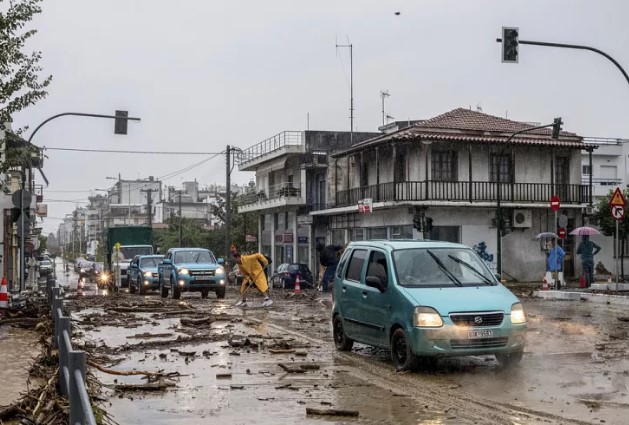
(235, 366)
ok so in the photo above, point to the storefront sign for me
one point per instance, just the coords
(302, 239)
(288, 238)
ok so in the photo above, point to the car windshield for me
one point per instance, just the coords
(128, 252)
(440, 267)
(150, 262)
(194, 257)
(46, 262)
(293, 268)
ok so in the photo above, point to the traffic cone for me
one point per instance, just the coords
(582, 282)
(544, 284)
(4, 294)
(297, 285)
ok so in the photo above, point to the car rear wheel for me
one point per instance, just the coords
(220, 293)
(176, 289)
(401, 353)
(342, 341)
(509, 359)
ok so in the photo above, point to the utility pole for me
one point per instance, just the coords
(22, 232)
(351, 89)
(149, 205)
(228, 203)
(384, 94)
(180, 222)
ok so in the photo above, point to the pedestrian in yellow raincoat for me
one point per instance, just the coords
(252, 269)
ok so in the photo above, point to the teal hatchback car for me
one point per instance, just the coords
(424, 299)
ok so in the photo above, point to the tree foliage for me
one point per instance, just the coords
(242, 224)
(20, 83)
(608, 225)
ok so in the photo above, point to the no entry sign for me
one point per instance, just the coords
(562, 233)
(554, 203)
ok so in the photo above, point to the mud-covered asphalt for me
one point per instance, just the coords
(575, 369)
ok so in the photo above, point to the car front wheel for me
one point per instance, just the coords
(220, 292)
(509, 359)
(401, 353)
(341, 341)
(163, 289)
(141, 287)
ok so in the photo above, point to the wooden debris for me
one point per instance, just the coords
(623, 319)
(153, 386)
(196, 322)
(283, 387)
(291, 368)
(309, 366)
(120, 372)
(150, 335)
(331, 412)
(301, 353)
(223, 376)
(281, 351)
(237, 387)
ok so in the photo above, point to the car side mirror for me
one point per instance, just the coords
(134, 266)
(220, 261)
(166, 261)
(375, 282)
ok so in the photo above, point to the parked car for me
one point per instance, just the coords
(77, 264)
(424, 299)
(286, 273)
(143, 273)
(98, 274)
(45, 266)
(191, 270)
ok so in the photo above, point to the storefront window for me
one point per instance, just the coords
(378, 233)
(402, 232)
(358, 234)
(338, 237)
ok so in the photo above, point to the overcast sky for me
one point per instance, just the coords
(203, 74)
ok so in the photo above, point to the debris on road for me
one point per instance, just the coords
(223, 376)
(291, 368)
(331, 412)
(160, 385)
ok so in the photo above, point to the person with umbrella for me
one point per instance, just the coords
(555, 261)
(588, 249)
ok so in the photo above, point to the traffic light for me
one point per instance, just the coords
(557, 127)
(120, 124)
(510, 44)
(417, 222)
(428, 228)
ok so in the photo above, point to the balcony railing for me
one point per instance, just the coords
(286, 138)
(600, 181)
(475, 191)
(278, 191)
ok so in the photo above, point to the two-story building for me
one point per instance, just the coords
(291, 181)
(444, 172)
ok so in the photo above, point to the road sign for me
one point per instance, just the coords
(554, 203)
(562, 233)
(28, 198)
(618, 198)
(618, 212)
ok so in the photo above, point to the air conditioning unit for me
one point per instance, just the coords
(522, 219)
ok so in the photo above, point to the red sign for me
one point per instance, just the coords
(562, 233)
(617, 212)
(554, 203)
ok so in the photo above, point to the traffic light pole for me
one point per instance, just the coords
(498, 190)
(573, 46)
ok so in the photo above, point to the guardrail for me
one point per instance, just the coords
(71, 362)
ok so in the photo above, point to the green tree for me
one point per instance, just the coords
(20, 82)
(242, 224)
(608, 225)
(194, 235)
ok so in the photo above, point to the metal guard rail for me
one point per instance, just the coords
(72, 374)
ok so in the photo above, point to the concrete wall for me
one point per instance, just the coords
(331, 141)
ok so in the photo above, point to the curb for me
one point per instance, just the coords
(581, 296)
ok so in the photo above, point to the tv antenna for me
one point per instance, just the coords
(384, 94)
(351, 87)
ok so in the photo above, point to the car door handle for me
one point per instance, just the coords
(364, 294)
(344, 289)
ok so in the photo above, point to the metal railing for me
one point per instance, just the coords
(601, 181)
(278, 191)
(285, 138)
(475, 191)
(72, 374)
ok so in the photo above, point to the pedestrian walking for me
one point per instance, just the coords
(252, 269)
(329, 258)
(588, 249)
(555, 261)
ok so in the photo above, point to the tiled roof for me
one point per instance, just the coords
(464, 125)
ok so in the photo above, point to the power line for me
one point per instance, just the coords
(132, 152)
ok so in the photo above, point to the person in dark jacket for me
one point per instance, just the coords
(588, 249)
(329, 258)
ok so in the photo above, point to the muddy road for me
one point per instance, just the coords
(268, 366)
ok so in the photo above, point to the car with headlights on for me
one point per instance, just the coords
(191, 270)
(143, 273)
(424, 300)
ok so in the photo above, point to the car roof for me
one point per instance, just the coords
(405, 244)
(141, 257)
(188, 249)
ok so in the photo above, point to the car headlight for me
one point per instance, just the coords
(182, 271)
(427, 317)
(82, 270)
(517, 314)
(104, 277)
(220, 270)
(148, 274)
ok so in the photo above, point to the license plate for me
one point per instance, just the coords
(202, 279)
(487, 333)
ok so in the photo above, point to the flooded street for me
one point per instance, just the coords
(19, 347)
(255, 365)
